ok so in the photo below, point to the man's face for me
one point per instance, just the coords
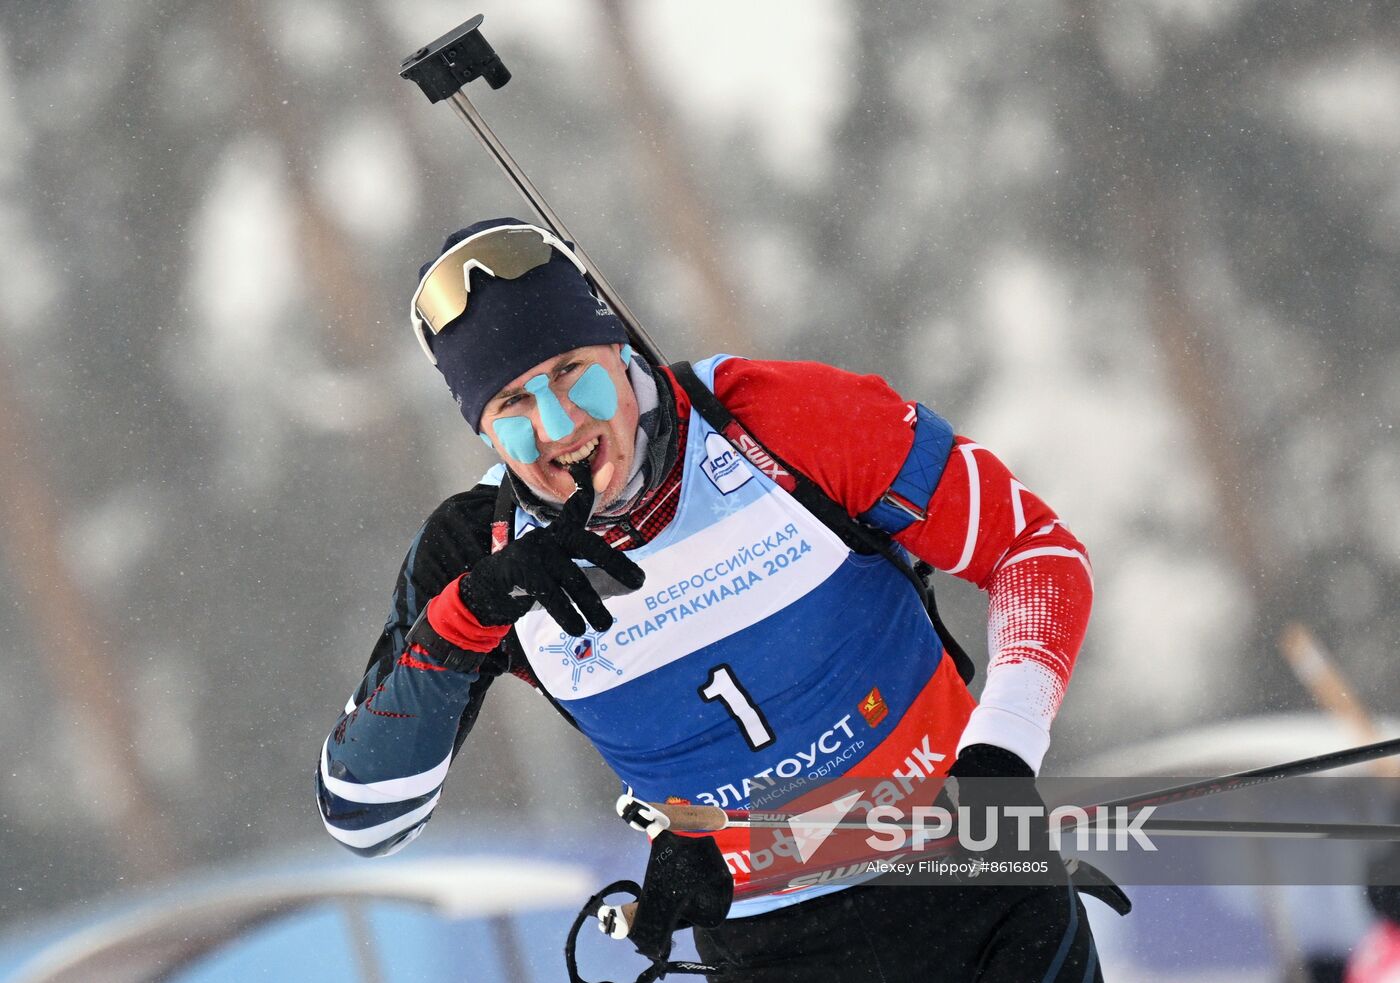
(615, 437)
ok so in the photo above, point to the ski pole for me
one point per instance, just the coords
(1323, 678)
(712, 818)
(1268, 829)
(442, 70)
(1385, 832)
(1260, 776)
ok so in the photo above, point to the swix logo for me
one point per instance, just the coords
(759, 457)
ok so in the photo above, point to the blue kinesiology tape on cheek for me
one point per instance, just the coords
(556, 422)
(487, 441)
(594, 393)
(516, 436)
(626, 354)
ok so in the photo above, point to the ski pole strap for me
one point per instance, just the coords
(587, 912)
(855, 534)
(658, 969)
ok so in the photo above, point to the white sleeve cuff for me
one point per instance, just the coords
(1004, 729)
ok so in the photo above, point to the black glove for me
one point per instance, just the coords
(687, 883)
(539, 566)
(989, 776)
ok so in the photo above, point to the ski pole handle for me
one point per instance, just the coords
(697, 819)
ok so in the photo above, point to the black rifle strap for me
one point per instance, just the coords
(855, 534)
(503, 521)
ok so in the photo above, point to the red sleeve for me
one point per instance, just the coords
(850, 434)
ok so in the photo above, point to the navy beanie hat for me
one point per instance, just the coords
(511, 325)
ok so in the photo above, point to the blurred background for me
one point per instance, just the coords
(1147, 250)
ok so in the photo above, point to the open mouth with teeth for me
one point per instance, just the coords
(585, 452)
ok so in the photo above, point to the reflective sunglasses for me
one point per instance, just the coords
(506, 251)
